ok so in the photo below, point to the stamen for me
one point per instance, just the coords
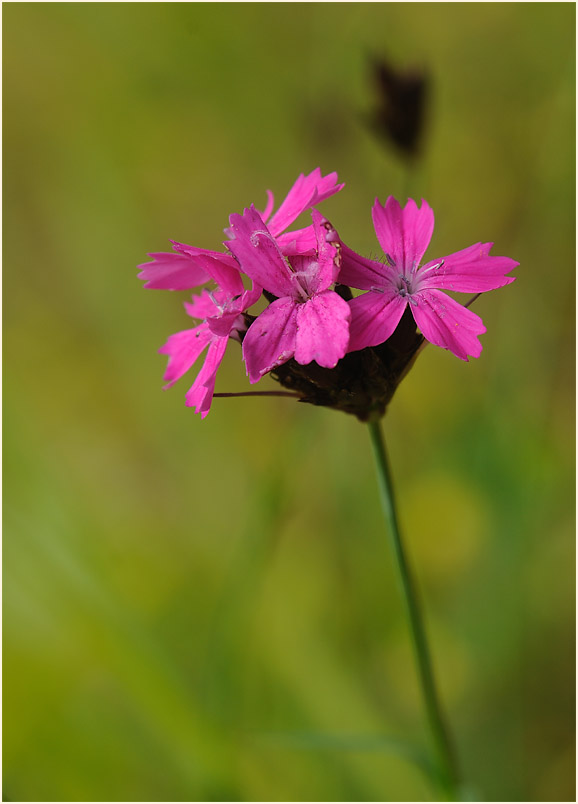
(435, 267)
(220, 307)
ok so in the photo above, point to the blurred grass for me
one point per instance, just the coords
(177, 590)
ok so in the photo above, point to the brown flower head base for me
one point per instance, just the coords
(363, 382)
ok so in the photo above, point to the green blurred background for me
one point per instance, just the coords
(207, 610)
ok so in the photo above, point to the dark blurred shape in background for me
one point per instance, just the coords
(399, 113)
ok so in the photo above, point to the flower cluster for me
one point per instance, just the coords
(314, 336)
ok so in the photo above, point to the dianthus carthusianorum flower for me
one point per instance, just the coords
(222, 311)
(306, 192)
(222, 314)
(191, 266)
(399, 282)
(316, 340)
(307, 320)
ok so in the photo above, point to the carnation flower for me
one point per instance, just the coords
(326, 347)
(305, 193)
(399, 282)
(306, 320)
(222, 314)
(188, 267)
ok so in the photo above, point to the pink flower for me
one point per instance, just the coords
(191, 267)
(307, 192)
(306, 321)
(222, 312)
(404, 235)
(188, 268)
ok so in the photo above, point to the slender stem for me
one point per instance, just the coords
(446, 761)
(472, 300)
(260, 393)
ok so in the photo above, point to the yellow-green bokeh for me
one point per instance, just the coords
(189, 604)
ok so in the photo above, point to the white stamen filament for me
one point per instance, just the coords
(435, 267)
(220, 307)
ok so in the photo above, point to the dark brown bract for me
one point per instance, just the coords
(363, 382)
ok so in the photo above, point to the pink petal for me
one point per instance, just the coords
(200, 394)
(328, 252)
(404, 234)
(249, 298)
(183, 348)
(172, 272)
(446, 323)
(223, 325)
(315, 273)
(301, 241)
(258, 254)
(307, 190)
(374, 317)
(220, 267)
(193, 252)
(207, 304)
(270, 340)
(359, 272)
(322, 329)
(222, 313)
(270, 204)
(471, 270)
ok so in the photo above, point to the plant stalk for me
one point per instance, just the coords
(446, 764)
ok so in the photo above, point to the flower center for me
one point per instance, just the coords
(304, 271)
(404, 285)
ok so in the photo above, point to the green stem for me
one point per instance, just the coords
(446, 761)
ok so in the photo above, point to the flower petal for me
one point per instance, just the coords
(207, 304)
(328, 252)
(471, 270)
(193, 252)
(315, 273)
(444, 322)
(300, 241)
(359, 272)
(183, 348)
(270, 340)
(200, 394)
(270, 204)
(223, 325)
(374, 317)
(307, 190)
(222, 313)
(220, 267)
(322, 329)
(172, 272)
(248, 298)
(404, 234)
(258, 254)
